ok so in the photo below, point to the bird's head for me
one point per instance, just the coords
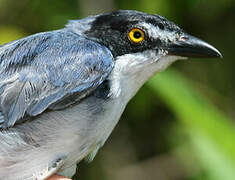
(142, 41)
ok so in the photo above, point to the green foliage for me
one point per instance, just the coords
(211, 132)
(8, 34)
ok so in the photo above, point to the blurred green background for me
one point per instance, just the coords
(181, 123)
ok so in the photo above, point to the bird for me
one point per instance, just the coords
(63, 91)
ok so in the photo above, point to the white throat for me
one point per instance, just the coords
(131, 71)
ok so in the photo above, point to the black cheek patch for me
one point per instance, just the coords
(112, 29)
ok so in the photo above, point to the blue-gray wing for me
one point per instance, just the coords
(40, 71)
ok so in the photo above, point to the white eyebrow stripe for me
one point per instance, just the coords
(157, 33)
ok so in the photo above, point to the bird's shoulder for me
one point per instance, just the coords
(41, 70)
(38, 48)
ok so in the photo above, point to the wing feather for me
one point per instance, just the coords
(40, 71)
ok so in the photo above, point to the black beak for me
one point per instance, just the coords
(189, 46)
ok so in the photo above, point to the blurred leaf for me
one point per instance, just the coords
(218, 166)
(8, 34)
(155, 7)
(162, 7)
(201, 118)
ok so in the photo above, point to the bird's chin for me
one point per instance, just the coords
(179, 57)
(163, 55)
(162, 63)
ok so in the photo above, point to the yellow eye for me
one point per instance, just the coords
(136, 35)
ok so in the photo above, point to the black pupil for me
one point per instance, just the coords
(137, 34)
